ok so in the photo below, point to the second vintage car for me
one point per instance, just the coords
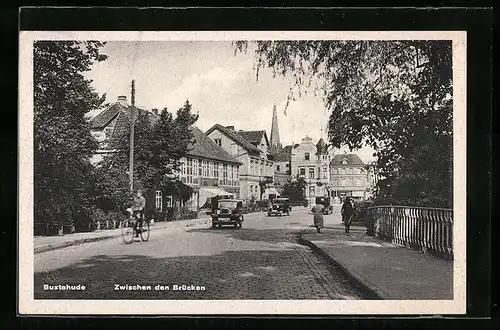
(279, 206)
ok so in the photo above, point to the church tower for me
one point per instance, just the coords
(275, 134)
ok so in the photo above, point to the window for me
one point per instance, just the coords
(277, 168)
(219, 142)
(306, 156)
(211, 169)
(311, 173)
(183, 166)
(195, 167)
(302, 172)
(204, 172)
(312, 191)
(287, 165)
(159, 200)
(216, 170)
(224, 175)
(344, 161)
(324, 172)
(189, 170)
(358, 182)
(108, 131)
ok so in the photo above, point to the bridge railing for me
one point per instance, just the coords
(425, 229)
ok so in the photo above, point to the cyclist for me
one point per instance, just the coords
(138, 206)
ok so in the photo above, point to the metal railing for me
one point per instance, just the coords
(426, 229)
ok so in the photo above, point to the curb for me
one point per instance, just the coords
(372, 292)
(46, 248)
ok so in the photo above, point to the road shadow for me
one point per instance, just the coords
(228, 275)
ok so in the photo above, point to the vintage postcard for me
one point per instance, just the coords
(270, 172)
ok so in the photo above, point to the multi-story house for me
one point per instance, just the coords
(349, 177)
(110, 125)
(282, 167)
(209, 170)
(312, 162)
(251, 148)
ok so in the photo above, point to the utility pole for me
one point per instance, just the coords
(131, 151)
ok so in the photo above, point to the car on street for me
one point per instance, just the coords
(227, 212)
(279, 206)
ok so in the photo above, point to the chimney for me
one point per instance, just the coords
(122, 99)
(230, 127)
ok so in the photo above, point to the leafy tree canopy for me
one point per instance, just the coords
(158, 148)
(295, 189)
(62, 140)
(394, 96)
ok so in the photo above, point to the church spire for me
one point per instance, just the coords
(275, 134)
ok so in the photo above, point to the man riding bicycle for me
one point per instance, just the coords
(138, 206)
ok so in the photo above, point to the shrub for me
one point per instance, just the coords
(361, 211)
(185, 213)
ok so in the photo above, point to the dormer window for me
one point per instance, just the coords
(306, 156)
(344, 161)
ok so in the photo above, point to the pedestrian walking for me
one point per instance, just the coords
(347, 213)
(317, 210)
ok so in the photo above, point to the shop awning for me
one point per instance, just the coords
(207, 193)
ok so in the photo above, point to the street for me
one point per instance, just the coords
(262, 260)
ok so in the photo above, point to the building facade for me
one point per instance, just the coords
(209, 170)
(282, 167)
(110, 125)
(251, 148)
(350, 178)
(312, 162)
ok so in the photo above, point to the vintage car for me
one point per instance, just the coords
(279, 206)
(227, 212)
(326, 202)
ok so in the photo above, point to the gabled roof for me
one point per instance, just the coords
(254, 137)
(120, 113)
(284, 155)
(205, 147)
(352, 159)
(233, 135)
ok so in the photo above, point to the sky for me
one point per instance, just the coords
(221, 86)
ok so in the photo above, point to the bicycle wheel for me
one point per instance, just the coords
(127, 232)
(145, 231)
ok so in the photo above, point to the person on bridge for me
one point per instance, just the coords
(317, 210)
(347, 213)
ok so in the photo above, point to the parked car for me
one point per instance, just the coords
(227, 212)
(326, 202)
(279, 206)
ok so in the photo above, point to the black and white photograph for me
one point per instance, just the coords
(230, 172)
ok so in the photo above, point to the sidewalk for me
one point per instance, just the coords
(48, 243)
(385, 270)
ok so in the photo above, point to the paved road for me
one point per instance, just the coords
(262, 260)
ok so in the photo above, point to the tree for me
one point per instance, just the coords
(395, 96)
(158, 149)
(63, 144)
(295, 189)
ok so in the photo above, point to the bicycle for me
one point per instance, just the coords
(129, 227)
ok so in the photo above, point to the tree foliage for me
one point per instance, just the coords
(295, 189)
(158, 148)
(62, 141)
(394, 96)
